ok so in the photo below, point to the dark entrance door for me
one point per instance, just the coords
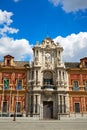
(47, 110)
(77, 108)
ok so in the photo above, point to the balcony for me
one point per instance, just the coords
(6, 88)
(76, 88)
(48, 87)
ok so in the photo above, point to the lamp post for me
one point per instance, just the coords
(14, 119)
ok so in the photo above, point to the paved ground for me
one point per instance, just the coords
(28, 124)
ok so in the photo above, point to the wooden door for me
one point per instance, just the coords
(47, 110)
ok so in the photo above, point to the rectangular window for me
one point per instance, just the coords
(31, 106)
(6, 83)
(85, 83)
(37, 53)
(4, 108)
(75, 85)
(32, 75)
(63, 75)
(19, 84)
(36, 75)
(36, 104)
(18, 106)
(86, 107)
(8, 62)
(64, 104)
(48, 81)
(60, 75)
(85, 64)
(77, 107)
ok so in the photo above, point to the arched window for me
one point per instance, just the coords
(48, 78)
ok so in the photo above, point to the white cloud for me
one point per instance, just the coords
(5, 22)
(20, 49)
(5, 17)
(75, 46)
(7, 29)
(70, 5)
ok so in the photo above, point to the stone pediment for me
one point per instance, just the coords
(48, 43)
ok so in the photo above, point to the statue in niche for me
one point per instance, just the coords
(47, 59)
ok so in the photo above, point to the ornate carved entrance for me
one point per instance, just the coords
(47, 110)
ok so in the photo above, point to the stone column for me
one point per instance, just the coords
(62, 103)
(40, 106)
(34, 101)
(58, 103)
(65, 76)
(67, 103)
(58, 74)
(58, 106)
(55, 106)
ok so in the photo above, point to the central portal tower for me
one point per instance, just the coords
(47, 85)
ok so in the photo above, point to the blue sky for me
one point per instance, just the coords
(23, 22)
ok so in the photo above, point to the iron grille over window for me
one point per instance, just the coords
(19, 84)
(75, 86)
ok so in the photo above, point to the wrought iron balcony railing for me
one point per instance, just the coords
(48, 87)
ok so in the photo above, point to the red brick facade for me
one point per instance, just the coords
(13, 98)
(77, 77)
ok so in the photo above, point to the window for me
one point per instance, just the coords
(86, 85)
(60, 75)
(48, 82)
(64, 104)
(59, 53)
(77, 108)
(31, 106)
(18, 106)
(75, 85)
(85, 64)
(19, 84)
(36, 104)
(32, 74)
(8, 62)
(36, 75)
(4, 108)
(6, 83)
(86, 107)
(37, 53)
(47, 78)
(63, 75)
